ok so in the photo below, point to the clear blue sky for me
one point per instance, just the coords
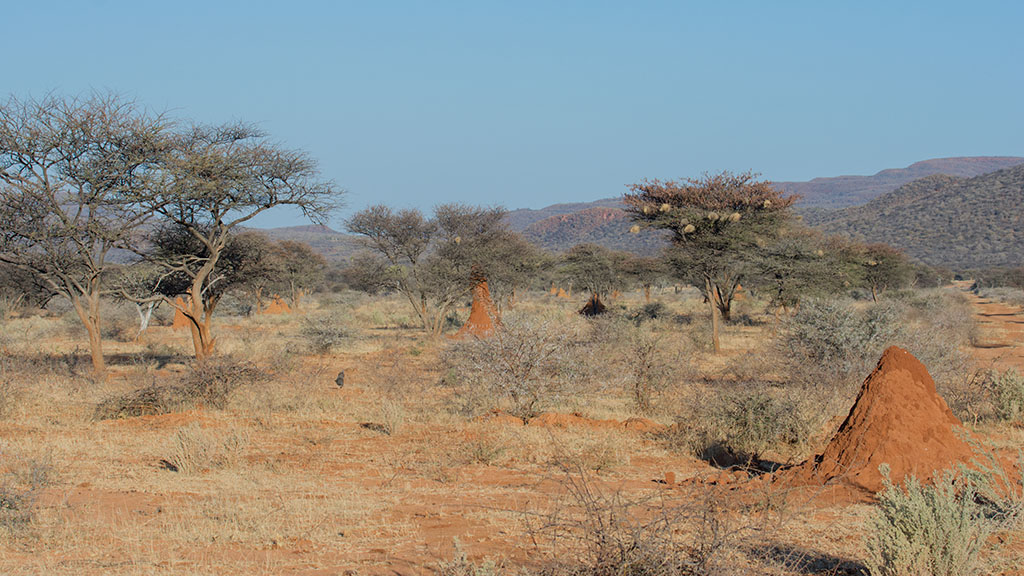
(525, 104)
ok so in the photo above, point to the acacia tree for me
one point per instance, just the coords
(882, 267)
(298, 268)
(644, 271)
(717, 221)
(436, 263)
(799, 262)
(596, 269)
(215, 179)
(402, 238)
(69, 169)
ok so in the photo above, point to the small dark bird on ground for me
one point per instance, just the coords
(340, 380)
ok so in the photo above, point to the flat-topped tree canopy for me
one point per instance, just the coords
(714, 204)
(718, 222)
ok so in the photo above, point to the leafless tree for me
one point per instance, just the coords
(68, 171)
(214, 180)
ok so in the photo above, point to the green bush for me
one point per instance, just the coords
(919, 529)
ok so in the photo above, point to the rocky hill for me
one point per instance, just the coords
(844, 191)
(944, 220)
(606, 226)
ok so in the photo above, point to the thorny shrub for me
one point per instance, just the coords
(837, 338)
(830, 346)
(325, 332)
(607, 534)
(20, 485)
(987, 395)
(209, 384)
(740, 423)
(529, 362)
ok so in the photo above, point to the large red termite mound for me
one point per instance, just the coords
(898, 419)
(482, 313)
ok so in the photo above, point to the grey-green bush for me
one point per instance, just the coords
(920, 529)
(838, 337)
(1008, 395)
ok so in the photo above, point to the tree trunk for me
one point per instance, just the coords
(89, 313)
(258, 296)
(144, 317)
(723, 300)
(708, 288)
(200, 319)
(874, 293)
(297, 294)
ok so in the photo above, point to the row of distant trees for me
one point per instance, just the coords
(728, 231)
(86, 183)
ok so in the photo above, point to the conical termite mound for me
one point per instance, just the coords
(593, 307)
(899, 420)
(482, 314)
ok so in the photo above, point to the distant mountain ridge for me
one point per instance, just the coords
(944, 220)
(845, 191)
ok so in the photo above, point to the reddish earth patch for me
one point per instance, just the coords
(499, 417)
(898, 419)
(1001, 344)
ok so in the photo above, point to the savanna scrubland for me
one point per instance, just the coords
(258, 462)
(181, 395)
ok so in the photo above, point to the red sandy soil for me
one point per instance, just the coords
(575, 420)
(1001, 342)
(416, 514)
